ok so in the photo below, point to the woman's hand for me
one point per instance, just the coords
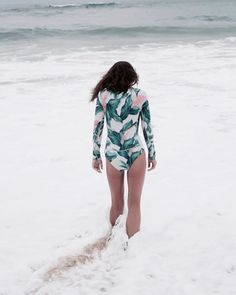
(151, 164)
(97, 165)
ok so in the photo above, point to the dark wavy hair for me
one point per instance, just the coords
(119, 78)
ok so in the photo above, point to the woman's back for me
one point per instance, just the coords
(123, 112)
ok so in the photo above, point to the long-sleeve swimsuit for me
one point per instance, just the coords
(123, 112)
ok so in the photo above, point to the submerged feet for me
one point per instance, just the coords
(118, 235)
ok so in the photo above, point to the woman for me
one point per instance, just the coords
(123, 106)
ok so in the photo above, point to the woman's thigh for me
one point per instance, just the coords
(135, 179)
(116, 182)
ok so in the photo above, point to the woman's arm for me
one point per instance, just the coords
(98, 128)
(147, 129)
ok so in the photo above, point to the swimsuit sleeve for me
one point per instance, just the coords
(98, 128)
(147, 129)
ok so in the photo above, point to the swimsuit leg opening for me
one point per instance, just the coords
(141, 152)
(114, 166)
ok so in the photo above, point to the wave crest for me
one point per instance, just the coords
(207, 18)
(28, 34)
(85, 5)
(61, 7)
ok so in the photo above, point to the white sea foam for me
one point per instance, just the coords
(54, 204)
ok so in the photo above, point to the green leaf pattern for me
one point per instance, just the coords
(147, 130)
(122, 136)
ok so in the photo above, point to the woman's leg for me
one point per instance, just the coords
(116, 184)
(135, 179)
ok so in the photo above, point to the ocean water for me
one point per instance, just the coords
(114, 23)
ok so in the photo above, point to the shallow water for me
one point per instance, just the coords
(53, 204)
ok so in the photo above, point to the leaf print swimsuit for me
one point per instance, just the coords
(123, 112)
